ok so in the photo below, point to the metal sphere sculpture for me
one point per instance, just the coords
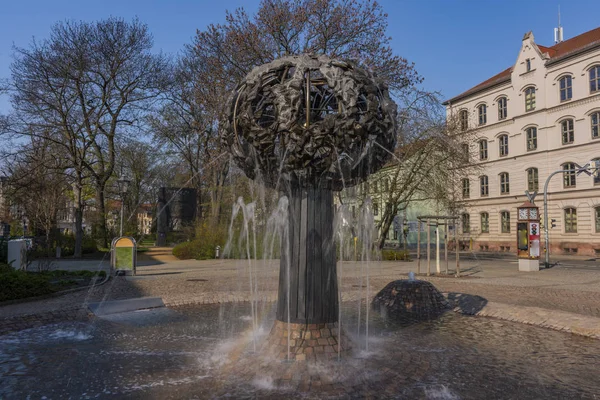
(312, 121)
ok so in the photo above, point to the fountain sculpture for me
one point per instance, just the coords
(308, 126)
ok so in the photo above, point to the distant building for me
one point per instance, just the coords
(538, 116)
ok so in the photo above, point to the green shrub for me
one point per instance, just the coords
(20, 284)
(395, 255)
(204, 244)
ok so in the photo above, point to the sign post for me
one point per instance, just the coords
(528, 237)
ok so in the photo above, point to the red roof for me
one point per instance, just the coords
(557, 52)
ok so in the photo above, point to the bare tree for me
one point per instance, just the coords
(84, 87)
(429, 161)
(38, 187)
(222, 54)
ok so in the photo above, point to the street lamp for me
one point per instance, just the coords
(123, 186)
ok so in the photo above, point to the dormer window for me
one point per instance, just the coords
(482, 112)
(566, 88)
(528, 64)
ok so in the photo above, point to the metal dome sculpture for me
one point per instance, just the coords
(310, 120)
(309, 125)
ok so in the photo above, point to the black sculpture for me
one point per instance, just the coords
(307, 126)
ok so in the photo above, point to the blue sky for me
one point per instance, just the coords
(454, 44)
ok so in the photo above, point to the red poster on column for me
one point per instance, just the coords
(534, 239)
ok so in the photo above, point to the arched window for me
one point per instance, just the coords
(570, 175)
(566, 88)
(482, 113)
(596, 172)
(505, 221)
(568, 131)
(531, 134)
(503, 145)
(464, 120)
(375, 208)
(483, 149)
(504, 183)
(466, 223)
(570, 220)
(595, 79)
(595, 119)
(466, 189)
(484, 185)
(597, 217)
(532, 179)
(530, 99)
(485, 222)
(502, 108)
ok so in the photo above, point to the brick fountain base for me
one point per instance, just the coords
(308, 342)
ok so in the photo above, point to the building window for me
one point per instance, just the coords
(465, 151)
(504, 183)
(569, 176)
(466, 189)
(503, 145)
(483, 152)
(530, 99)
(375, 187)
(386, 184)
(531, 138)
(595, 79)
(528, 64)
(568, 131)
(485, 222)
(482, 112)
(353, 211)
(566, 88)
(375, 209)
(505, 221)
(597, 209)
(484, 185)
(466, 223)
(570, 220)
(595, 118)
(502, 108)
(464, 120)
(366, 189)
(532, 180)
(596, 172)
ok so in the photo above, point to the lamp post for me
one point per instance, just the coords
(123, 186)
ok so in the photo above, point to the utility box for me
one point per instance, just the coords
(17, 253)
(123, 255)
(528, 237)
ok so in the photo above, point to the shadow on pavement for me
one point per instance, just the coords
(467, 303)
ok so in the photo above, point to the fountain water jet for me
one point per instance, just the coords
(288, 121)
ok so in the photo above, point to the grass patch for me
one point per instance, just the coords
(395, 255)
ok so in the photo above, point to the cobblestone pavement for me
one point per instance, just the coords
(197, 352)
(570, 290)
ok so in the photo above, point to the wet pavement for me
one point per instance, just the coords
(208, 352)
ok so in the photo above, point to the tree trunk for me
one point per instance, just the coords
(101, 209)
(78, 221)
(386, 222)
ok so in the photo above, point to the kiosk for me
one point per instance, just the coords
(528, 237)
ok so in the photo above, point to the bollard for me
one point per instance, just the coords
(217, 250)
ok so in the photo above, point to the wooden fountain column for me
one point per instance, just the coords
(313, 294)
